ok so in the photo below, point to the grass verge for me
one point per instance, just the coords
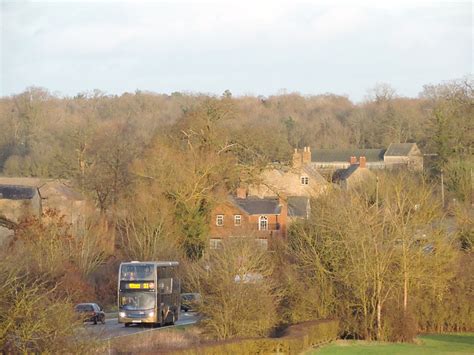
(459, 343)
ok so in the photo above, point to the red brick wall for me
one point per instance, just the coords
(249, 223)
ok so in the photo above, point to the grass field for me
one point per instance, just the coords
(425, 344)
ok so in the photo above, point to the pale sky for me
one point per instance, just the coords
(249, 47)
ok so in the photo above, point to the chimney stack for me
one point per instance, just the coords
(241, 192)
(306, 155)
(353, 160)
(362, 162)
(297, 159)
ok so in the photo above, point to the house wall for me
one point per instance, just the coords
(288, 183)
(325, 167)
(412, 162)
(249, 224)
(359, 177)
(15, 210)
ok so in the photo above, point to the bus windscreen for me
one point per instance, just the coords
(137, 300)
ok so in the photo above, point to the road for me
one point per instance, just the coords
(112, 328)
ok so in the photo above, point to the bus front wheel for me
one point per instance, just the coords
(127, 324)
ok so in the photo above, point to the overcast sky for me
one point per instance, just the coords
(249, 47)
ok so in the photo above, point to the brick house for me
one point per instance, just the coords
(264, 219)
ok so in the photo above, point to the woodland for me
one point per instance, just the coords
(387, 264)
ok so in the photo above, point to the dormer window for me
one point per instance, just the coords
(304, 180)
(220, 220)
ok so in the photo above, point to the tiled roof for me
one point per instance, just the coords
(254, 205)
(399, 149)
(344, 155)
(15, 192)
(298, 206)
(314, 174)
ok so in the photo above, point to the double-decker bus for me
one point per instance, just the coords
(148, 292)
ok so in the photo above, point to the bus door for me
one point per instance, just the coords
(165, 289)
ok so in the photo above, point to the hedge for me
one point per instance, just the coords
(296, 339)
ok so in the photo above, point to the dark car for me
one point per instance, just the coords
(90, 312)
(189, 301)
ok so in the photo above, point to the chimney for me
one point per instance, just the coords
(297, 159)
(241, 192)
(362, 162)
(353, 160)
(306, 155)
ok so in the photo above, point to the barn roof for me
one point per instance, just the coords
(16, 192)
(344, 155)
(399, 149)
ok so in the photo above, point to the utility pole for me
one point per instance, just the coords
(442, 188)
(472, 188)
(377, 192)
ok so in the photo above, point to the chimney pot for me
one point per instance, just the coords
(362, 162)
(353, 160)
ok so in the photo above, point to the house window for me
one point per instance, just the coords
(304, 180)
(237, 220)
(263, 223)
(215, 243)
(220, 220)
(263, 243)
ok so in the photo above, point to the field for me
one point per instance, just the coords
(425, 344)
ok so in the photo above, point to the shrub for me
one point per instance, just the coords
(401, 325)
(32, 319)
(296, 339)
(239, 299)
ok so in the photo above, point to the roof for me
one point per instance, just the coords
(59, 189)
(15, 192)
(313, 173)
(298, 206)
(343, 174)
(254, 205)
(46, 187)
(399, 149)
(344, 155)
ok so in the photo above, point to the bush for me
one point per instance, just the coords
(239, 299)
(401, 326)
(32, 319)
(296, 339)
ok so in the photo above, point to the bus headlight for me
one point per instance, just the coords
(151, 314)
(122, 314)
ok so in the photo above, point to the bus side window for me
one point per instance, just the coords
(165, 286)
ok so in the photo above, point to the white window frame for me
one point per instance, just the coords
(304, 180)
(220, 220)
(237, 220)
(265, 224)
(215, 243)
